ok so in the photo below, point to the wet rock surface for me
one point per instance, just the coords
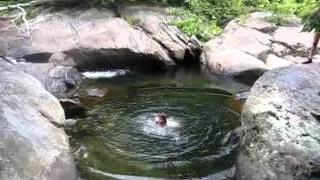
(280, 122)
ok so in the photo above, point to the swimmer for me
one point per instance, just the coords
(161, 119)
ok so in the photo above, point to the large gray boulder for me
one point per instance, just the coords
(234, 63)
(281, 129)
(31, 147)
(56, 79)
(246, 39)
(252, 35)
(155, 22)
(276, 46)
(101, 43)
(88, 40)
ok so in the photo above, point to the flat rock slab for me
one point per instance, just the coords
(293, 37)
(281, 125)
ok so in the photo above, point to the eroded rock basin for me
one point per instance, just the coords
(119, 140)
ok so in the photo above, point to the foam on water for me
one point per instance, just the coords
(122, 177)
(123, 141)
(150, 128)
(104, 74)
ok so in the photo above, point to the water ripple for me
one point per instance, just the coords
(124, 134)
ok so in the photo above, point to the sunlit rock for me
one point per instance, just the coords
(155, 22)
(274, 61)
(246, 39)
(234, 63)
(88, 39)
(31, 147)
(281, 129)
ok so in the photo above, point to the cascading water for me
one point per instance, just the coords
(120, 139)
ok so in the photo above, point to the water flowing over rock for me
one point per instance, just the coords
(281, 129)
(31, 147)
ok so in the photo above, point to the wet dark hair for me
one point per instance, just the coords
(163, 116)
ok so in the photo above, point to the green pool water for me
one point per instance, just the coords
(119, 139)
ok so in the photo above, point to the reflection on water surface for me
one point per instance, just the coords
(120, 140)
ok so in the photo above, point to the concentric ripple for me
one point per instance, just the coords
(121, 139)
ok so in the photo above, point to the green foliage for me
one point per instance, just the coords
(192, 24)
(131, 20)
(313, 22)
(281, 11)
(204, 18)
(259, 4)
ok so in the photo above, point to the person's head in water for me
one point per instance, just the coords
(161, 119)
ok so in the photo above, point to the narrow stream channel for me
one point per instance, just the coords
(119, 139)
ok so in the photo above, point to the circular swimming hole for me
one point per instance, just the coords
(121, 140)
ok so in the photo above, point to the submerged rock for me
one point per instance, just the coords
(31, 147)
(95, 92)
(280, 121)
